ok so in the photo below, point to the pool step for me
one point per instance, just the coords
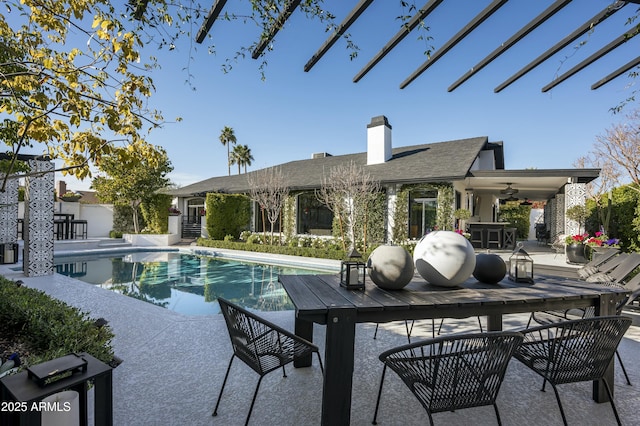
(114, 242)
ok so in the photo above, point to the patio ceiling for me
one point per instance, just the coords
(536, 185)
(423, 14)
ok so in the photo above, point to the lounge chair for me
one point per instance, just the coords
(618, 273)
(593, 266)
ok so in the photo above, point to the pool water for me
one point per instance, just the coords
(185, 283)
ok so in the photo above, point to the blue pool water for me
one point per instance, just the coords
(185, 283)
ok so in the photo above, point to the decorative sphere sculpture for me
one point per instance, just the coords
(490, 268)
(390, 267)
(444, 258)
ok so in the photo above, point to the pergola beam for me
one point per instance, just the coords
(473, 24)
(632, 63)
(279, 22)
(344, 25)
(213, 14)
(591, 23)
(532, 25)
(400, 35)
(594, 57)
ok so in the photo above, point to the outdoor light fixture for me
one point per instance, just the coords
(520, 266)
(352, 271)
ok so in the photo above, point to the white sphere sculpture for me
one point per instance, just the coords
(390, 267)
(444, 258)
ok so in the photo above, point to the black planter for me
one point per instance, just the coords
(576, 253)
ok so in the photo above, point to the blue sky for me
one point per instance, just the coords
(293, 114)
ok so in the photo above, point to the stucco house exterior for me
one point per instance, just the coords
(474, 168)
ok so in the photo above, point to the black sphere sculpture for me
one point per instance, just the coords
(490, 268)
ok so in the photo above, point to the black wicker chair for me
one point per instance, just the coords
(452, 372)
(261, 345)
(573, 351)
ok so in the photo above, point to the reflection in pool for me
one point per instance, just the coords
(185, 283)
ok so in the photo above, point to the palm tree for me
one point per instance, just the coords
(241, 156)
(227, 137)
(245, 156)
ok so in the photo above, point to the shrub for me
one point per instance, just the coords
(227, 214)
(50, 327)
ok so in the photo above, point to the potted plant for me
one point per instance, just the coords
(461, 215)
(575, 244)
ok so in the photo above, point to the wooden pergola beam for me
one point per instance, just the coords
(280, 20)
(344, 25)
(626, 67)
(594, 57)
(591, 23)
(473, 24)
(400, 35)
(532, 25)
(213, 14)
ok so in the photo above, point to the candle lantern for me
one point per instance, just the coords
(521, 266)
(352, 271)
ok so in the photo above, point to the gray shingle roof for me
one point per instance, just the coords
(434, 162)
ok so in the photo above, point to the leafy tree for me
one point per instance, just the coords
(228, 137)
(73, 85)
(124, 186)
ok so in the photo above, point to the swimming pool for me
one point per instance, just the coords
(183, 282)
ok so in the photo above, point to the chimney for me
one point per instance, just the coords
(61, 187)
(378, 140)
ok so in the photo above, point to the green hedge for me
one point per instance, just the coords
(321, 253)
(227, 214)
(49, 327)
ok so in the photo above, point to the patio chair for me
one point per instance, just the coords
(261, 345)
(453, 372)
(618, 272)
(594, 265)
(550, 317)
(573, 351)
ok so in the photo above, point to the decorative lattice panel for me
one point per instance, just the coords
(9, 211)
(576, 195)
(38, 220)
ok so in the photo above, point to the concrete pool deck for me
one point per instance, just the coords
(173, 366)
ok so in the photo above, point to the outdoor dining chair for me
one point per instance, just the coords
(550, 317)
(573, 351)
(261, 345)
(452, 372)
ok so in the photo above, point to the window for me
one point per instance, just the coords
(313, 216)
(422, 212)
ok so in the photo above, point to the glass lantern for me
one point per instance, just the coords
(521, 266)
(353, 271)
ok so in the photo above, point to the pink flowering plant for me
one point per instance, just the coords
(576, 239)
(599, 240)
(464, 234)
(602, 240)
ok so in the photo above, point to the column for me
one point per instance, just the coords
(9, 211)
(38, 220)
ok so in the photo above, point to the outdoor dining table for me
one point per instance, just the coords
(320, 299)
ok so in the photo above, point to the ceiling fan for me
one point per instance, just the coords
(509, 190)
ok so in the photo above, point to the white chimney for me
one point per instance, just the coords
(378, 140)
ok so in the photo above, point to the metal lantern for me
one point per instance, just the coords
(520, 266)
(352, 272)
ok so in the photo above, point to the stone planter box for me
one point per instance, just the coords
(151, 240)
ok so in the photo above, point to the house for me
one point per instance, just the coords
(473, 168)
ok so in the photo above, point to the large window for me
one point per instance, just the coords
(422, 212)
(313, 216)
(261, 216)
(195, 210)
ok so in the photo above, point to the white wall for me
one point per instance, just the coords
(99, 217)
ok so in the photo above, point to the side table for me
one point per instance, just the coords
(19, 388)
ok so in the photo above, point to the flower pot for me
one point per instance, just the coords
(576, 253)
